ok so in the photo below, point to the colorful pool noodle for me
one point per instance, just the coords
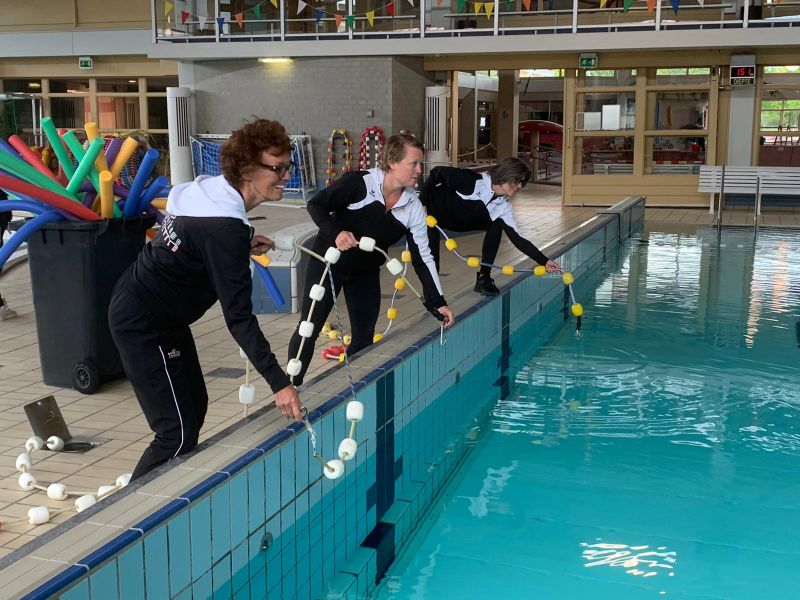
(58, 146)
(27, 229)
(86, 166)
(143, 173)
(152, 210)
(79, 153)
(269, 282)
(30, 156)
(154, 190)
(6, 147)
(18, 197)
(91, 133)
(129, 146)
(48, 197)
(113, 149)
(21, 169)
(106, 195)
(30, 206)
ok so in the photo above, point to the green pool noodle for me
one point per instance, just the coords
(83, 170)
(58, 146)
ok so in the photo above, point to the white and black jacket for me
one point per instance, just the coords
(355, 203)
(463, 200)
(201, 255)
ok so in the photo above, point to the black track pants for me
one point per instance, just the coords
(362, 293)
(165, 372)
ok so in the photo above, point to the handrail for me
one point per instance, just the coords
(421, 14)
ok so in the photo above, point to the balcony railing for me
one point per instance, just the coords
(284, 20)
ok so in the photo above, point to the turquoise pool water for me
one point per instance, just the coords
(658, 456)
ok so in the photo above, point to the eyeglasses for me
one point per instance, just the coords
(281, 169)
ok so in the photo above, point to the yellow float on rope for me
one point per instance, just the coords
(346, 339)
(431, 221)
(391, 314)
(406, 256)
(326, 328)
(399, 284)
(540, 270)
(474, 262)
(568, 278)
(450, 244)
(508, 270)
(377, 337)
(577, 309)
(333, 334)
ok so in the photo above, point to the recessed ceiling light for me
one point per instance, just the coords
(275, 59)
(34, 84)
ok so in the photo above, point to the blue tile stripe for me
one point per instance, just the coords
(504, 361)
(56, 584)
(384, 451)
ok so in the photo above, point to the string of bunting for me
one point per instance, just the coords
(350, 20)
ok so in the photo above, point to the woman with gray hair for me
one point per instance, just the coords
(463, 200)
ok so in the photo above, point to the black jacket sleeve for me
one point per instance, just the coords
(523, 244)
(459, 180)
(225, 256)
(348, 189)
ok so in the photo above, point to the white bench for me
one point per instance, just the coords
(783, 181)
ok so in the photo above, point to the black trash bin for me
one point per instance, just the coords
(74, 266)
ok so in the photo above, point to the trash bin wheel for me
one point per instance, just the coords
(85, 377)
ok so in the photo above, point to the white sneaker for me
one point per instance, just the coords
(6, 313)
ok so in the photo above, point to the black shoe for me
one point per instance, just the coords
(485, 285)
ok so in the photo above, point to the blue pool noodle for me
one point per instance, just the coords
(270, 284)
(22, 234)
(151, 193)
(142, 175)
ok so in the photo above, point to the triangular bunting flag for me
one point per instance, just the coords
(274, 3)
(651, 6)
(478, 7)
(202, 22)
(339, 19)
(318, 14)
(257, 10)
(626, 4)
(167, 7)
(508, 5)
(351, 22)
(489, 6)
(461, 4)
(439, 2)
(411, 2)
(301, 6)
(371, 17)
(239, 19)
(220, 23)
(390, 8)
(603, 3)
(184, 16)
(676, 5)
(527, 4)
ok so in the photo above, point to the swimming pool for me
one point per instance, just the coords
(657, 456)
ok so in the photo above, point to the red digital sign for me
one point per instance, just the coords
(745, 75)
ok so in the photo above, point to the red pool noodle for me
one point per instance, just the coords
(48, 197)
(30, 156)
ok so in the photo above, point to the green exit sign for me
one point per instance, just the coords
(85, 62)
(588, 61)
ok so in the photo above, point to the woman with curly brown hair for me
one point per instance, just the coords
(200, 256)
